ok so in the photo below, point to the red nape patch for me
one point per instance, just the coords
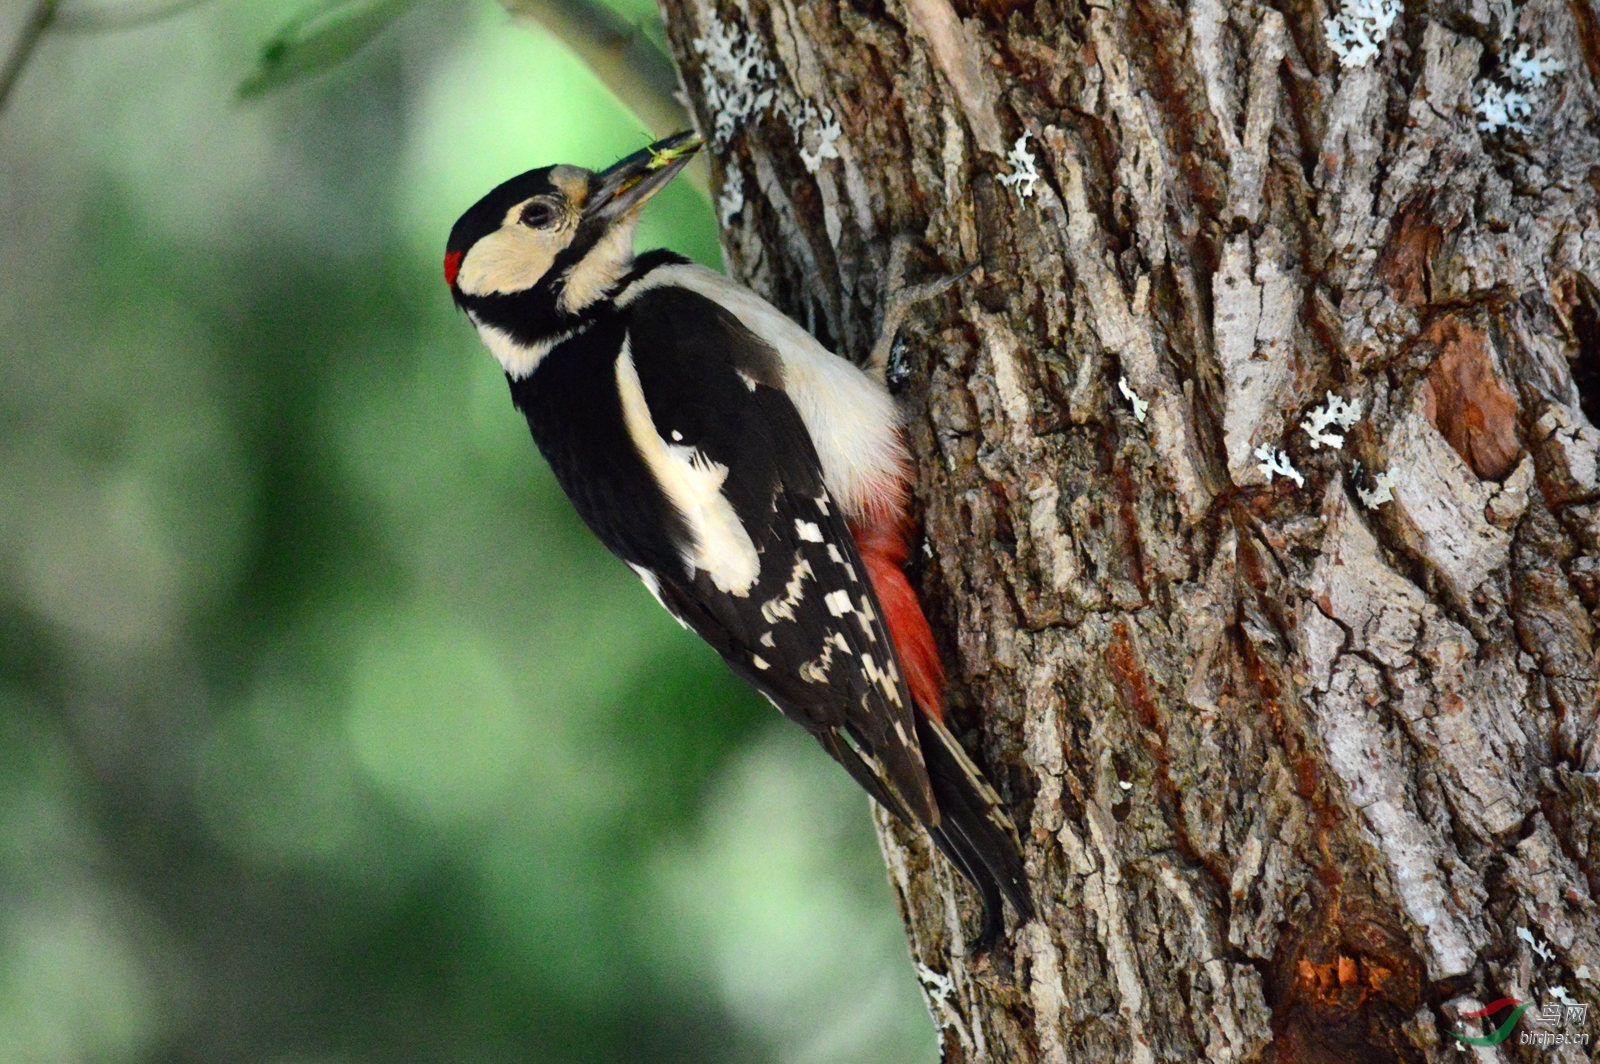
(452, 266)
(882, 543)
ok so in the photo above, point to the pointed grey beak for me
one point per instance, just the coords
(628, 184)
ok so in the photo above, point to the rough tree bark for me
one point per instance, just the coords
(1298, 777)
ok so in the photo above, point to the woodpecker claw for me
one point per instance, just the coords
(898, 300)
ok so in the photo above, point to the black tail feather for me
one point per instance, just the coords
(974, 832)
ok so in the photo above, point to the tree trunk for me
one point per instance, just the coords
(1295, 709)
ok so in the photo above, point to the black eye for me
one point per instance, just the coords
(538, 214)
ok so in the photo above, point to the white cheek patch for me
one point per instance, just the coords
(693, 484)
(511, 259)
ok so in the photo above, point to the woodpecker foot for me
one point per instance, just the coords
(899, 298)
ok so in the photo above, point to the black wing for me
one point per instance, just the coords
(807, 632)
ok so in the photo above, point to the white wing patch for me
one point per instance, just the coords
(808, 531)
(852, 420)
(838, 602)
(693, 484)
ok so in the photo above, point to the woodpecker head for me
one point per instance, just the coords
(553, 241)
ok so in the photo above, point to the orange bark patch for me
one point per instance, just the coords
(1405, 263)
(1343, 981)
(1341, 1003)
(1469, 405)
(1130, 677)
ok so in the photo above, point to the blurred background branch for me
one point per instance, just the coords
(318, 38)
(636, 69)
(83, 17)
(615, 49)
(32, 32)
(49, 15)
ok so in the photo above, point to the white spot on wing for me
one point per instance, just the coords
(759, 662)
(866, 616)
(808, 531)
(693, 483)
(793, 592)
(838, 602)
(862, 752)
(884, 680)
(766, 640)
(816, 671)
(836, 556)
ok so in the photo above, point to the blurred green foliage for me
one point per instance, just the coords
(327, 734)
(317, 38)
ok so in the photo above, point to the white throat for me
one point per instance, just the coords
(592, 276)
(515, 357)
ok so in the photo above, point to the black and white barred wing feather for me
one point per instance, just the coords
(769, 572)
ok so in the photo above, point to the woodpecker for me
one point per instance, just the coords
(755, 482)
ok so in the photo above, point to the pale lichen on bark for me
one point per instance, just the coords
(1291, 767)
